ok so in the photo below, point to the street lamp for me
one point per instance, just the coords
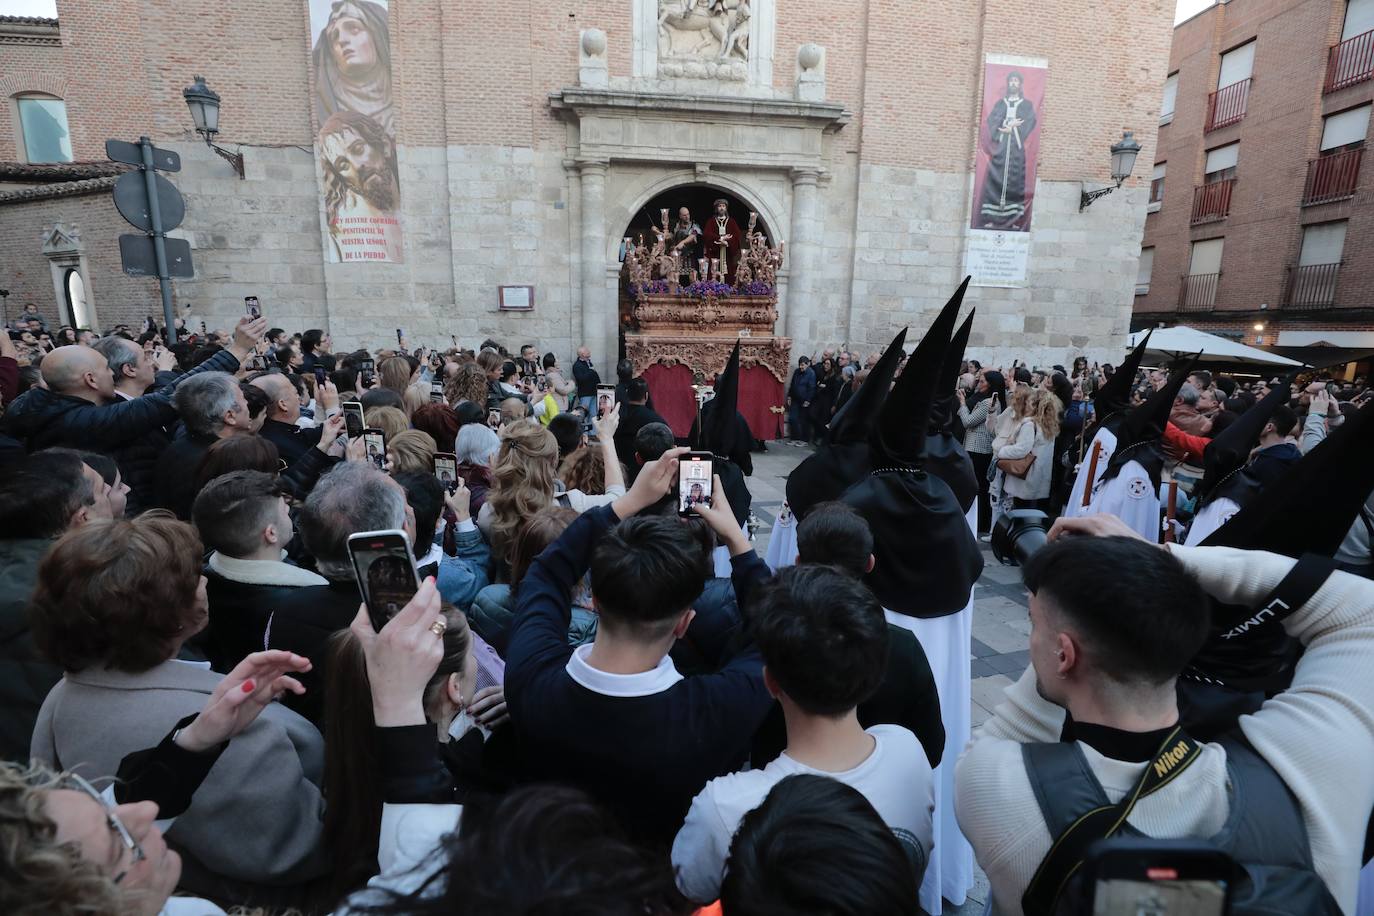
(1124, 153)
(204, 104)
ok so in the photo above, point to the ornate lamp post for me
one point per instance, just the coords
(1124, 153)
(204, 104)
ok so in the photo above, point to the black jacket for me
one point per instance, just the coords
(25, 677)
(633, 418)
(302, 621)
(176, 474)
(239, 612)
(587, 378)
(137, 462)
(291, 441)
(43, 418)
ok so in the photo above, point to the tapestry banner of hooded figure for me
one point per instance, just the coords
(356, 143)
(1004, 172)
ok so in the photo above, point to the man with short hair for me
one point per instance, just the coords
(316, 347)
(79, 408)
(1278, 447)
(212, 407)
(615, 717)
(635, 414)
(244, 521)
(1185, 414)
(799, 394)
(1114, 621)
(652, 440)
(824, 644)
(135, 370)
(283, 410)
(46, 495)
(587, 378)
(350, 498)
(528, 363)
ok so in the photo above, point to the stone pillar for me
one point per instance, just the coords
(594, 303)
(803, 257)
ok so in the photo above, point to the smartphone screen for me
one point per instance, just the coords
(605, 399)
(321, 375)
(446, 469)
(376, 447)
(436, 392)
(367, 370)
(494, 418)
(1143, 875)
(694, 479)
(385, 569)
(250, 305)
(353, 419)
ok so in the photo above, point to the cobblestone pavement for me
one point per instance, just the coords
(1001, 629)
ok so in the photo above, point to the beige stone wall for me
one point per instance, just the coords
(492, 193)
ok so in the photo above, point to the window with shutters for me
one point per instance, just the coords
(1221, 163)
(1143, 271)
(1170, 101)
(1157, 188)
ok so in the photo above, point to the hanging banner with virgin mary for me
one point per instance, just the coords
(356, 139)
(1004, 172)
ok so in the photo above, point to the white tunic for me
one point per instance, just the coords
(1213, 515)
(1131, 497)
(1075, 505)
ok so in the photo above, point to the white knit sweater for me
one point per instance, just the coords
(1318, 735)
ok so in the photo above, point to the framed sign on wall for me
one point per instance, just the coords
(516, 298)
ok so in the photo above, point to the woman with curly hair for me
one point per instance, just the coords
(469, 383)
(524, 480)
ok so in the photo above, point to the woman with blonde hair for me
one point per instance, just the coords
(524, 480)
(1036, 426)
(410, 451)
(414, 397)
(392, 421)
(394, 373)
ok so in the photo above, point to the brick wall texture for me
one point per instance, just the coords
(1280, 133)
(490, 196)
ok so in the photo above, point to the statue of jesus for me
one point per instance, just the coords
(721, 239)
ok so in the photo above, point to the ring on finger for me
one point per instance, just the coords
(438, 627)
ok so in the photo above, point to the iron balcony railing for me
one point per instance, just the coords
(1350, 62)
(1311, 286)
(1227, 105)
(1212, 201)
(1198, 293)
(1332, 177)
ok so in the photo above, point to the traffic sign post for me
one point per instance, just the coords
(153, 204)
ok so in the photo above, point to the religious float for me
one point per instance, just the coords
(686, 317)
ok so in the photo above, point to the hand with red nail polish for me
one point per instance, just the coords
(241, 696)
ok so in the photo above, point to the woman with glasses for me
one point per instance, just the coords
(67, 846)
(113, 606)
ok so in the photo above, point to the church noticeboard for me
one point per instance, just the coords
(998, 251)
(356, 143)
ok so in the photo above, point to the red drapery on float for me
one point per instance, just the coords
(671, 390)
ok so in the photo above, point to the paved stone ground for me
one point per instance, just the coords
(1001, 629)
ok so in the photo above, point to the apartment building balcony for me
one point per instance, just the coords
(1227, 105)
(1350, 62)
(1332, 177)
(1311, 286)
(1212, 201)
(1198, 292)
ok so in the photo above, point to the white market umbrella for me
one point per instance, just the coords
(1180, 341)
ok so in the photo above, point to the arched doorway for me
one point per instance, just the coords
(699, 199)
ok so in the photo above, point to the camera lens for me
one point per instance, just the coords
(1018, 534)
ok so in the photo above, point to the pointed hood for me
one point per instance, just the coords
(1311, 508)
(927, 558)
(1228, 452)
(945, 454)
(1114, 397)
(899, 435)
(854, 421)
(720, 428)
(943, 410)
(843, 456)
(1139, 435)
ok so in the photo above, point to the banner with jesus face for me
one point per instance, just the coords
(356, 142)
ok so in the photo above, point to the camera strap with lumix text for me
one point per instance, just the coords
(1176, 753)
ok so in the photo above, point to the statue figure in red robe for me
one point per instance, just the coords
(720, 229)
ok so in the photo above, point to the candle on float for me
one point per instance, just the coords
(663, 215)
(753, 219)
